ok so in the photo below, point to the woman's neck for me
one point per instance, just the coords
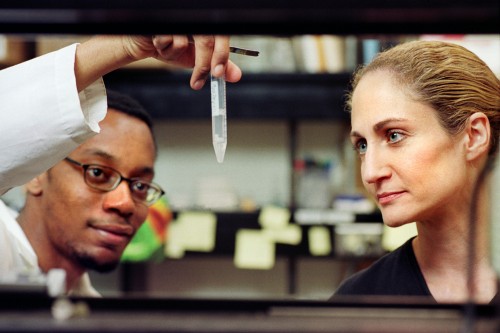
(455, 266)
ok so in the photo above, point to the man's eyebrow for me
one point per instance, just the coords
(147, 171)
(100, 153)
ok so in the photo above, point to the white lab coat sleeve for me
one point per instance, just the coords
(42, 116)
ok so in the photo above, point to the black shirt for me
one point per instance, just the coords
(396, 273)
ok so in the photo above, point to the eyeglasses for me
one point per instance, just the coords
(107, 179)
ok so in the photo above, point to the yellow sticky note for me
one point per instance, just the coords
(291, 234)
(191, 231)
(174, 246)
(254, 250)
(274, 217)
(320, 243)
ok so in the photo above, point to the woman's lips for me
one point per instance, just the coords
(387, 197)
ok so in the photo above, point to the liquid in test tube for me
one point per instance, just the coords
(219, 116)
(218, 96)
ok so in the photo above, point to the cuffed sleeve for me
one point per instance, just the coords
(42, 116)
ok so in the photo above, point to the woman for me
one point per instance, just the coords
(425, 122)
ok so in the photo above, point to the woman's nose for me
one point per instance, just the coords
(374, 167)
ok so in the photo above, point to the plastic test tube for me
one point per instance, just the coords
(219, 116)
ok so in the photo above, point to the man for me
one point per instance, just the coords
(52, 103)
(59, 101)
(81, 213)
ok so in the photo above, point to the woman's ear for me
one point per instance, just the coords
(34, 186)
(478, 136)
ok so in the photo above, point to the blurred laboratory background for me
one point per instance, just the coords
(285, 215)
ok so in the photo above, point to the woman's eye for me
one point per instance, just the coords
(360, 146)
(395, 136)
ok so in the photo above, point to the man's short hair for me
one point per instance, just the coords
(129, 106)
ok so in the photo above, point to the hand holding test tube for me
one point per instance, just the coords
(219, 111)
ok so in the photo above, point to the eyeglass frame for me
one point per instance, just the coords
(121, 178)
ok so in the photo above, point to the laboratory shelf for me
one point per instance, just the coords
(167, 95)
(134, 276)
(229, 223)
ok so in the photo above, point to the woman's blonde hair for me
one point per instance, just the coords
(446, 76)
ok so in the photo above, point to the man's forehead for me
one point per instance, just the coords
(96, 152)
(119, 130)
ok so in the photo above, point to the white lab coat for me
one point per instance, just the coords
(42, 119)
(42, 116)
(18, 257)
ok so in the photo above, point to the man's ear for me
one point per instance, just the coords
(478, 135)
(34, 187)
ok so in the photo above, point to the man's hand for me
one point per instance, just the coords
(205, 54)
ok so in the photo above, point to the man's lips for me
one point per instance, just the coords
(387, 197)
(114, 234)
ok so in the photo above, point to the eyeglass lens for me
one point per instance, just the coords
(107, 179)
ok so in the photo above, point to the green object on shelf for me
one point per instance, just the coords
(150, 237)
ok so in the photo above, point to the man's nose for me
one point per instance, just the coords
(120, 199)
